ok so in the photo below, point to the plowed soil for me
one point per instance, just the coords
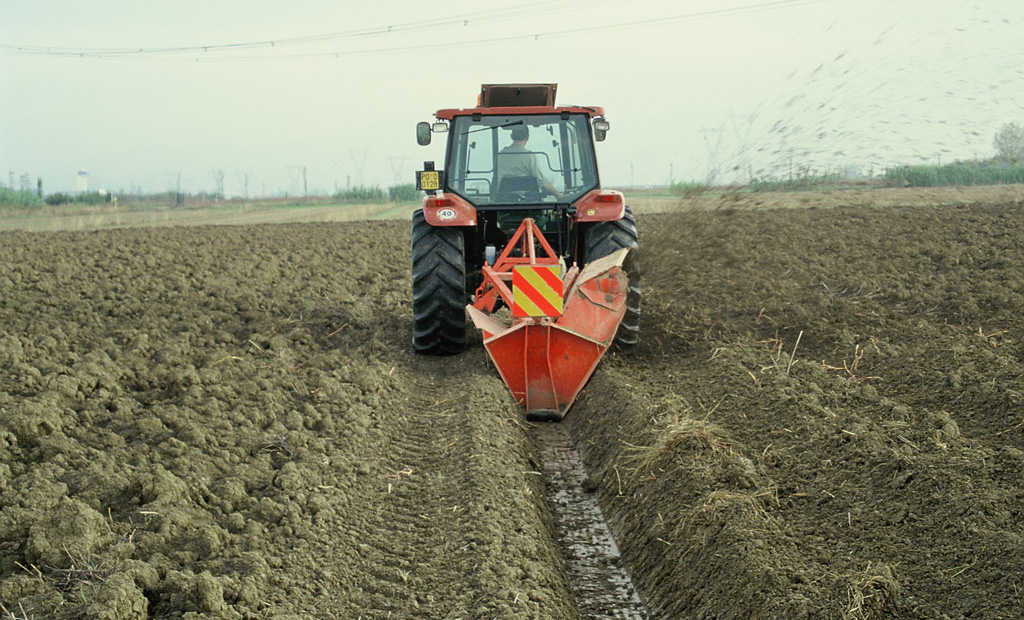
(824, 419)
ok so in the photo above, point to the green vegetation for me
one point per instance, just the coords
(808, 181)
(987, 172)
(361, 195)
(686, 188)
(377, 195)
(91, 198)
(406, 192)
(18, 198)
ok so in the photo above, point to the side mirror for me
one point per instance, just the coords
(601, 128)
(423, 133)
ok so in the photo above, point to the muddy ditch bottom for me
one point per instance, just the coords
(597, 574)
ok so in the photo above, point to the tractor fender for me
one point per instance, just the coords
(448, 210)
(600, 205)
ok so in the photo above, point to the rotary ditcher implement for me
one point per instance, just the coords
(517, 225)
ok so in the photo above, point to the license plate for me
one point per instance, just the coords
(430, 180)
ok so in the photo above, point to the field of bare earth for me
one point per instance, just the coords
(826, 416)
(824, 419)
(229, 422)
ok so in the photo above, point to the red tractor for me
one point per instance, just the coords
(520, 191)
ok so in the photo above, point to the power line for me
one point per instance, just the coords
(412, 27)
(753, 8)
(536, 9)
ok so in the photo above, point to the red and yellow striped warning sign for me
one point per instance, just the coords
(536, 291)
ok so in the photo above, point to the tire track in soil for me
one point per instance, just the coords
(599, 578)
(403, 553)
(459, 528)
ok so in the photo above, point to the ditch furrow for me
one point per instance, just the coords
(600, 580)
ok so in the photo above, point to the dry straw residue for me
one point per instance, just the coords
(871, 592)
(694, 443)
(702, 442)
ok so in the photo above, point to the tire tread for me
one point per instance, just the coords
(438, 288)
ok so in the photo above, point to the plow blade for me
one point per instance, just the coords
(546, 362)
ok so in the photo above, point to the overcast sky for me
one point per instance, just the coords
(693, 89)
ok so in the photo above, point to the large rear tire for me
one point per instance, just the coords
(438, 288)
(606, 237)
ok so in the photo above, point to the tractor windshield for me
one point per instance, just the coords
(502, 160)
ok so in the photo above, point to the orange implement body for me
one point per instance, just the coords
(546, 358)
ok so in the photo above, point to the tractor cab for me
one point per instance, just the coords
(521, 165)
(515, 156)
(516, 159)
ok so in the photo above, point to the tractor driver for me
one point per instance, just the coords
(518, 161)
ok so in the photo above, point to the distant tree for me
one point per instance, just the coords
(1009, 143)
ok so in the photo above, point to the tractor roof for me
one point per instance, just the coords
(509, 99)
(450, 113)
